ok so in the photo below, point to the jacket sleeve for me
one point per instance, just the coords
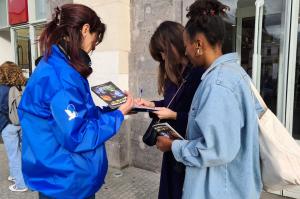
(218, 124)
(81, 126)
(159, 103)
(182, 118)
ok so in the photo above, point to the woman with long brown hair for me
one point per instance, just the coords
(176, 75)
(64, 132)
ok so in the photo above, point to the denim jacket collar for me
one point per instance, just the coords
(220, 60)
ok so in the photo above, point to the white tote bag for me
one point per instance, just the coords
(279, 152)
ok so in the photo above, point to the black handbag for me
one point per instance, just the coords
(150, 136)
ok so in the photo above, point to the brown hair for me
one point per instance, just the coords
(66, 27)
(11, 74)
(167, 39)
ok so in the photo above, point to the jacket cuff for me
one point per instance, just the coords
(181, 117)
(119, 114)
(176, 149)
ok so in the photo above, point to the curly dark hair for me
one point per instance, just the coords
(205, 16)
(11, 74)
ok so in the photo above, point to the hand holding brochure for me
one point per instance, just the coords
(110, 94)
(115, 97)
(164, 129)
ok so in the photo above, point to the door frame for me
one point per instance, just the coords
(295, 193)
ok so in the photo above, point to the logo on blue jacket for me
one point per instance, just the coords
(71, 112)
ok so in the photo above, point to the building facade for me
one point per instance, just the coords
(265, 33)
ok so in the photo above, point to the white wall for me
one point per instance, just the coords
(5, 46)
(111, 58)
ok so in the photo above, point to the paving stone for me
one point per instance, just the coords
(128, 183)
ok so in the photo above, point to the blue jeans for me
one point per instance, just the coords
(11, 140)
(41, 196)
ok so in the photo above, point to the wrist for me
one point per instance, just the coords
(122, 111)
(174, 115)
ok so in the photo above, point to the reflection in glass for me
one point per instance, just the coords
(242, 18)
(248, 24)
(23, 50)
(296, 119)
(272, 23)
(38, 31)
(3, 11)
(40, 9)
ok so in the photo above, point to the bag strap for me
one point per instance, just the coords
(184, 80)
(257, 96)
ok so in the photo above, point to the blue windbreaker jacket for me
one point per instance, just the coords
(63, 151)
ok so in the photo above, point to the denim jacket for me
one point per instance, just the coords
(221, 152)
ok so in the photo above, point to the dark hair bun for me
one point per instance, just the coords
(205, 16)
(206, 8)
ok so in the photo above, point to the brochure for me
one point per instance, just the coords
(164, 129)
(110, 94)
(114, 96)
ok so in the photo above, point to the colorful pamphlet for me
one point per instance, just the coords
(115, 97)
(164, 129)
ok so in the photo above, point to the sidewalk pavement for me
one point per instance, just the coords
(129, 183)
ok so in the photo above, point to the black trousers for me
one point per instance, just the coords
(172, 178)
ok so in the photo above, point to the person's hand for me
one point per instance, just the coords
(128, 105)
(165, 113)
(164, 143)
(143, 102)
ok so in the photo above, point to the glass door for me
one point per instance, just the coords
(36, 50)
(23, 49)
(260, 35)
(26, 46)
(293, 86)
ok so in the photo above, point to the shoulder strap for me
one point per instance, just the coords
(184, 80)
(257, 96)
(179, 88)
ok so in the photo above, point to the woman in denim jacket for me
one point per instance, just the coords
(221, 152)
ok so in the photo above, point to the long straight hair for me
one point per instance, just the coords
(168, 39)
(66, 27)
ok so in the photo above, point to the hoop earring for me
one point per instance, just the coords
(199, 52)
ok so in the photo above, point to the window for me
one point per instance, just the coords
(41, 9)
(3, 11)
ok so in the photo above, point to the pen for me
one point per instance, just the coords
(141, 91)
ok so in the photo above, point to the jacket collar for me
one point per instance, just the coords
(60, 49)
(230, 57)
